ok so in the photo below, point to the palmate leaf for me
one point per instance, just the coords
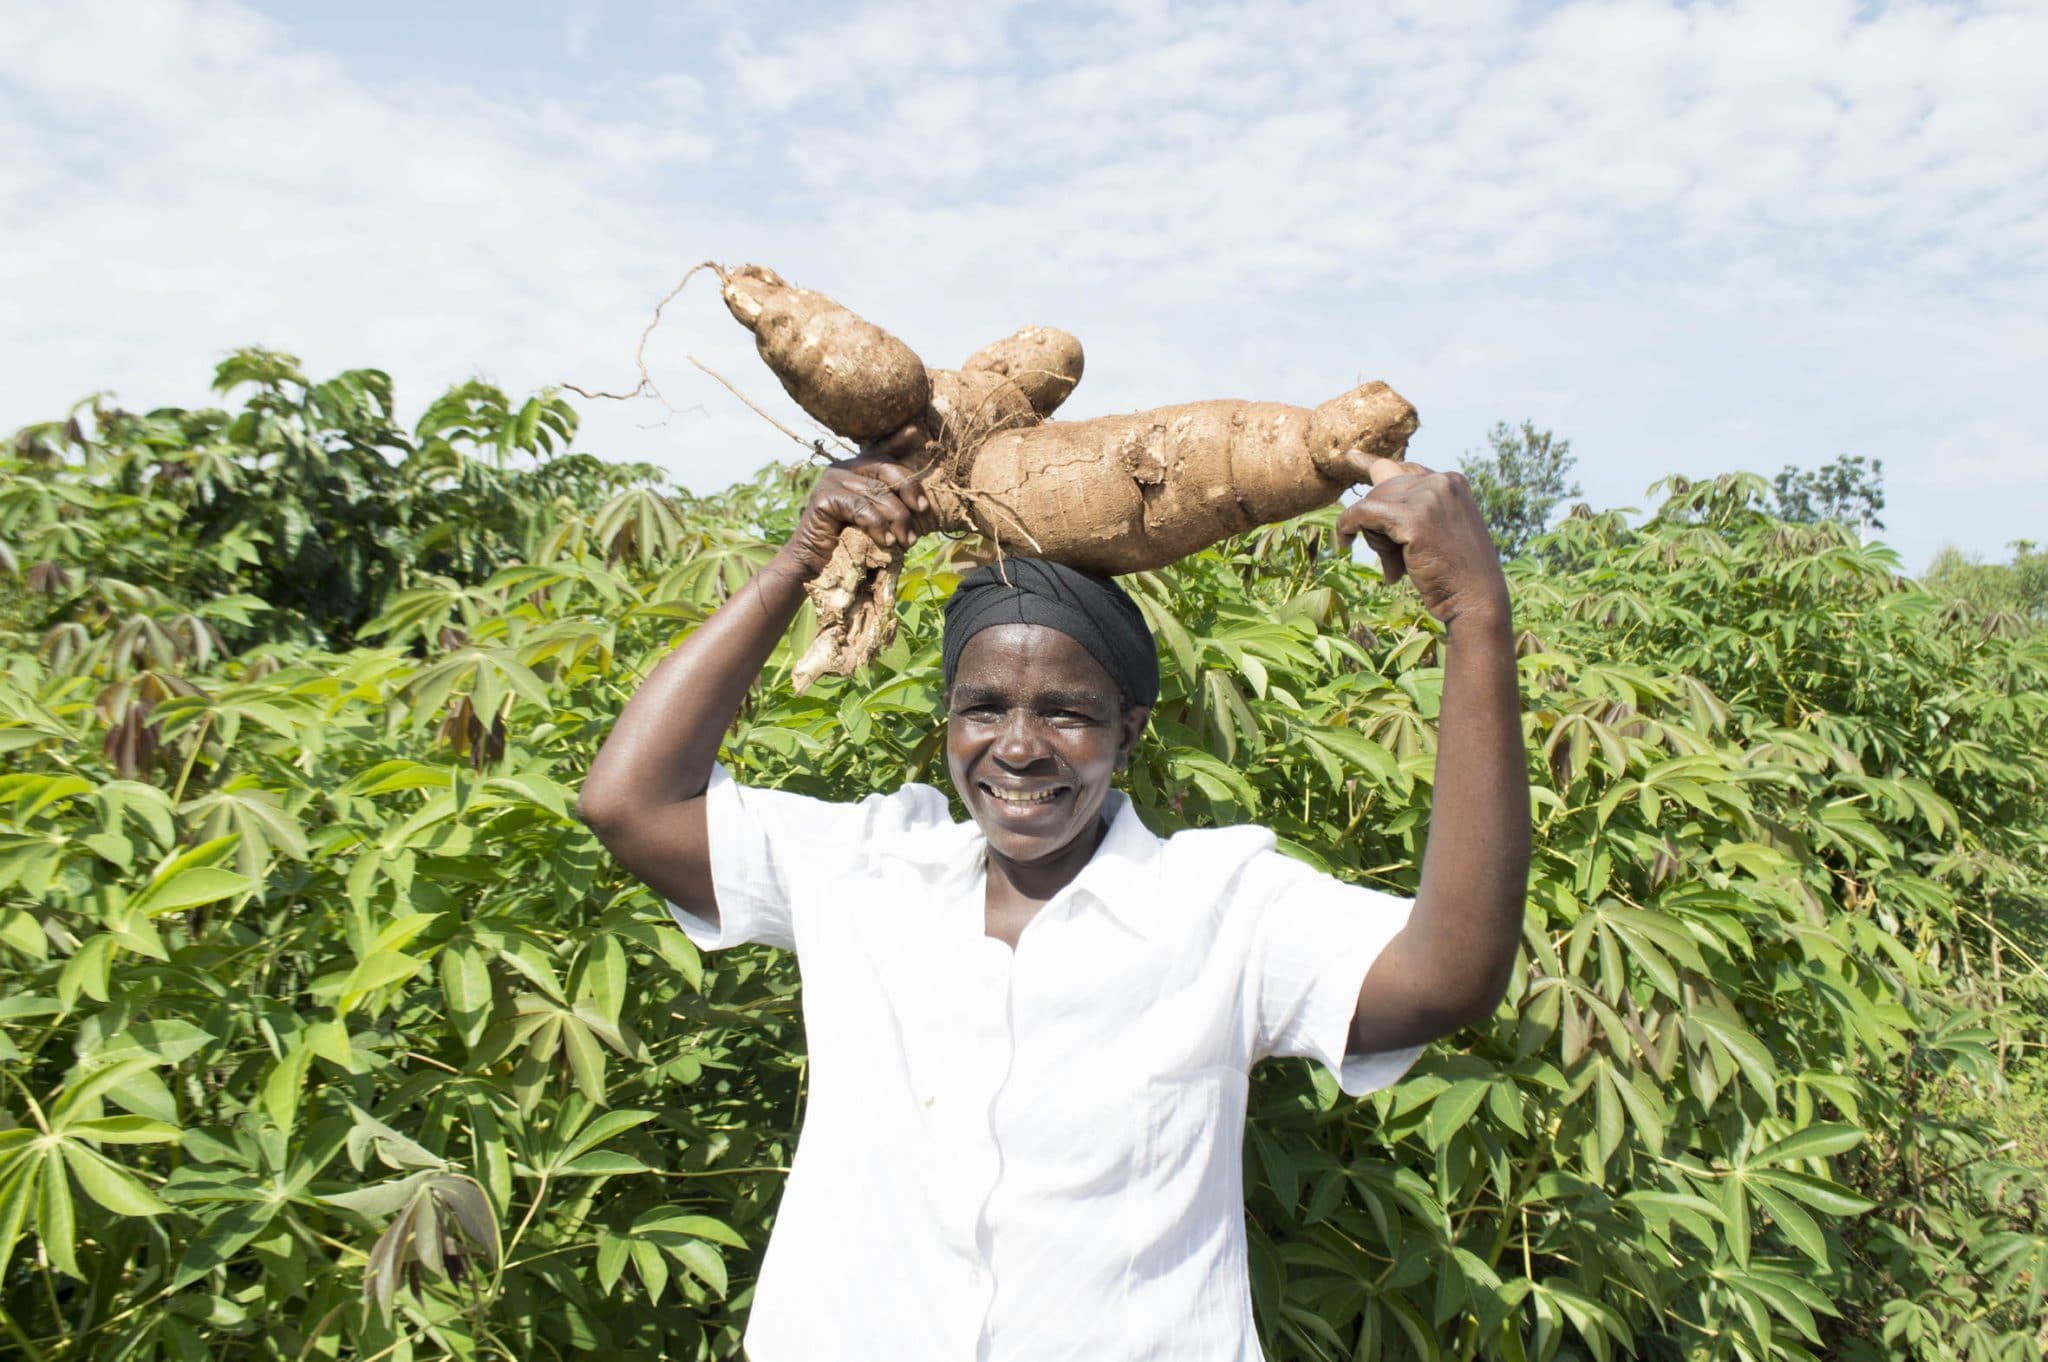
(2019, 1264)
(1727, 1032)
(576, 1140)
(1788, 1294)
(223, 713)
(444, 1228)
(638, 524)
(689, 1240)
(257, 816)
(707, 568)
(367, 1136)
(1212, 777)
(42, 1181)
(26, 794)
(486, 675)
(424, 611)
(1155, 600)
(573, 1037)
(571, 646)
(1356, 752)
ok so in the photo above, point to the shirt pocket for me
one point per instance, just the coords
(1186, 1197)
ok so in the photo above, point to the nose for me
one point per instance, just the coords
(1020, 743)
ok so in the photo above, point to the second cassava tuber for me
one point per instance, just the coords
(1114, 494)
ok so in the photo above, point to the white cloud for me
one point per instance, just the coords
(1744, 129)
(188, 180)
(1741, 234)
(1706, 236)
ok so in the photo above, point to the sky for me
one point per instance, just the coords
(1689, 238)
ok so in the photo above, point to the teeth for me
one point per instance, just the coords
(1011, 797)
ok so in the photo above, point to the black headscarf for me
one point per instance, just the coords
(1093, 611)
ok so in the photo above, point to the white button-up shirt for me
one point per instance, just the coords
(1030, 1155)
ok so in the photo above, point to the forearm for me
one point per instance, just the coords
(661, 750)
(1467, 916)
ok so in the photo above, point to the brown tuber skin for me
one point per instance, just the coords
(852, 376)
(1043, 361)
(1111, 495)
(1132, 493)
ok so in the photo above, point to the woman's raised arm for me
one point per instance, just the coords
(644, 795)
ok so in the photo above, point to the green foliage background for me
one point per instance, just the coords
(327, 1032)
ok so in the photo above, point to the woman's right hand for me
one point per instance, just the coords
(872, 492)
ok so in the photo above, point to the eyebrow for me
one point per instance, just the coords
(1045, 699)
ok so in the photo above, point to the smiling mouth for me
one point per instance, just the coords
(1023, 799)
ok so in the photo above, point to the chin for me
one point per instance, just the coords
(1027, 850)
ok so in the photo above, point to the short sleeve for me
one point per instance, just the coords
(1312, 944)
(766, 843)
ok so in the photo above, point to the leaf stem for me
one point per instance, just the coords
(539, 1195)
(198, 741)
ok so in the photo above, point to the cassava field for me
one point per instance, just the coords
(327, 1032)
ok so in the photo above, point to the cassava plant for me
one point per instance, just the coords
(327, 1032)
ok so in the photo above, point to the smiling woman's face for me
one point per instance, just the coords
(1035, 729)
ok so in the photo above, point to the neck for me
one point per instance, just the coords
(1040, 880)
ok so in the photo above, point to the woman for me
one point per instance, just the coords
(1029, 1034)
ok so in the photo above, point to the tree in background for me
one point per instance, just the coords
(2018, 588)
(1849, 489)
(298, 516)
(1519, 484)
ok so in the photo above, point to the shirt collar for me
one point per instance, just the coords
(1122, 876)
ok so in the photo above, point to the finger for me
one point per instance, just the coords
(1383, 520)
(897, 491)
(850, 498)
(908, 486)
(868, 513)
(1374, 469)
(1393, 565)
(1348, 528)
(883, 502)
(1385, 513)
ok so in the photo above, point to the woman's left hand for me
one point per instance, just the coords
(1426, 526)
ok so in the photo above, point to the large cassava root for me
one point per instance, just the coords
(1130, 493)
(855, 378)
(1114, 494)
